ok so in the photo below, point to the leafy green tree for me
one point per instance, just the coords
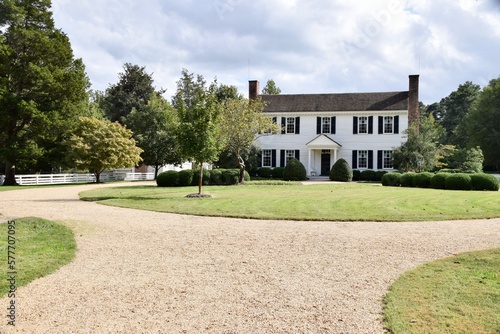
(199, 113)
(242, 121)
(42, 86)
(270, 88)
(483, 126)
(225, 92)
(133, 90)
(154, 128)
(454, 109)
(421, 150)
(98, 145)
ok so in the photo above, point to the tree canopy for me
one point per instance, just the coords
(271, 88)
(483, 126)
(98, 145)
(154, 128)
(42, 86)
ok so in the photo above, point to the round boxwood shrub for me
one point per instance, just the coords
(185, 178)
(356, 174)
(438, 180)
(458, 181)
(392, 179)
(379, 174)
(246, 176)
(216, 176)
(341, 171)
(449, 170)
(407, 179)
(230, 176)
(294, 171)
(264, 172)
(167, 179)
(422, 180)
(367, 175)
(481, 181)
(196, 177)
(277, 172)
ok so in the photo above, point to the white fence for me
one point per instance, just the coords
(41, 179)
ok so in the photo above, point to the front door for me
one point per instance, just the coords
(325, 162)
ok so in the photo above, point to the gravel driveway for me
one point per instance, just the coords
(146, 272)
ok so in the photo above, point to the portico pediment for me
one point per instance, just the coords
(323, 142)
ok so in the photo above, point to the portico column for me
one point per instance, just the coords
(309, 163)
(334, 155)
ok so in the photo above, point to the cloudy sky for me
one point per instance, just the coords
(313, 46)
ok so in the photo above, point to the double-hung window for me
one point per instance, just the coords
(326, 125)
(388, 124)
(387, 159)
(363, 159)
(266, 158)
(363, 124)
(289, 155)
(290, 125)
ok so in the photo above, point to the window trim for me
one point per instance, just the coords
(390, 164)
(359, 153)
(270, 157)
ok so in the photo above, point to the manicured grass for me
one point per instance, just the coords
(460, 294)
(333, 202)
(41, 247)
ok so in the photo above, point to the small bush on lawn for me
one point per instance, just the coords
(196, 177)
(230, 176)
(438, 180)
(167, 179)
(294, 171)
(392, 179)
(379, 174)
(341, 171)
(367, 175)
(264, 172)
(277, 172)
(356, 174)
(216, 176)
(407, 179)
(458, 181)
(185, 178)
(246, 176)
(422, 180)
(482, 181)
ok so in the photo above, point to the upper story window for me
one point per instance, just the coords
(325, 124)
(388, 124)
(363, 125)
(290, 125)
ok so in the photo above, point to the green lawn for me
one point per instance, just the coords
(41, 247)
(460, 294)
(334, 202)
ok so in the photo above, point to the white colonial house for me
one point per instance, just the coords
(319, 129)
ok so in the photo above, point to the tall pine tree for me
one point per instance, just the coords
(42, 86)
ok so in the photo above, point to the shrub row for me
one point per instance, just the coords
(190, 177)
(268, 173)
(368, 175)
(443, 180)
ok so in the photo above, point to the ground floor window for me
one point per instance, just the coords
(266, 158)
(362, 159)
(387, 159)
(289, 155)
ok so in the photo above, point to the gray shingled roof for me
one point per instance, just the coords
(336, 102)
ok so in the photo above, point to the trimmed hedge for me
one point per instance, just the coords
(392, 179)
(356, 174)
(294, 171)
(422, 180)
(481, 181)
(379, 174)
(230, 176)
(216, 176)
(407, 179)
(367, 175)
(196, 177)
(448, 170)
(185, 178)
(341, 171)
(438, 180)
(277, 172)
(167, 179)
(264, 172)
(458, 181)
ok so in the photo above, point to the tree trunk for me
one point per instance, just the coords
(10, 175)
(241, 162)
(200, 181)
(156, 170)
(97, 177)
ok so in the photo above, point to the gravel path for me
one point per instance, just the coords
(146, 272)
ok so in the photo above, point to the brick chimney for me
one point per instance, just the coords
(253, 89)
(413, 109)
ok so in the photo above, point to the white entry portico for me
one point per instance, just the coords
(320, 151)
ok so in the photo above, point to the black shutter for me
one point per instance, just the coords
(318, 125)
(282, 158)
(370, 159)
(273, 158)
(297, 125)
(297, 154)
(275, 119)
(396, 124)
(380, 125)
(370, 124)
(333, 125)
(379, 160)
(283, 125)
(355, 125)
(260, 158)
(354, 159)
